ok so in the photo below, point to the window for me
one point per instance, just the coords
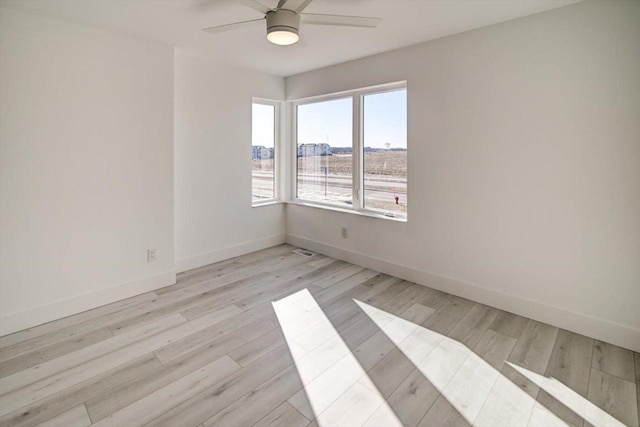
(352, 150)
(264, 133)
(384, 138)
(324, 151)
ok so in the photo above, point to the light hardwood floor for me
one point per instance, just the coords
(274, 338)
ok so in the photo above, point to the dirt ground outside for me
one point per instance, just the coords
(385, 178)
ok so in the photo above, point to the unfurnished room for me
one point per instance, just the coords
(323, 213)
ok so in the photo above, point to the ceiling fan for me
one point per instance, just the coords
(283, 22)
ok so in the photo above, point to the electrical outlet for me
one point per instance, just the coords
(344, 232)
(151, 255)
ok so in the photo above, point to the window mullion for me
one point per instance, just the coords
(357, 153)
(293, 146)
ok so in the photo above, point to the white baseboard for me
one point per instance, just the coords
(66, 307)
(228, 252)
(611, 332)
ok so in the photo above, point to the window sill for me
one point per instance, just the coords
(266, 203)
(367, 213)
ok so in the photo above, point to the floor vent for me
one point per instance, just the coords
(303, 252)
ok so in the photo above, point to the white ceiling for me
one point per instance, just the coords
(179, 23)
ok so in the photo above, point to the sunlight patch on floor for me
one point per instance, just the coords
(472, 386)
(572, 400)
(336, 391)
(478, 391)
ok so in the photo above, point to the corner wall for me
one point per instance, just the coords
(86, 168)
(214, 219)
(524, 168)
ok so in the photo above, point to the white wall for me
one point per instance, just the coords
(86, 169)
(214, 219)
(524, 168)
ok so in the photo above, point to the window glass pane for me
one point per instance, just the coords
(263, 152)
(385, 151)
(325, 149)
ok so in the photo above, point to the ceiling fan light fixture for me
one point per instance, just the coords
(282, 27)
(283, 37)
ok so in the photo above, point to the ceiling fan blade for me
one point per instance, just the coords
(302, 6)
(234, 26)
(341, 20)
(295, 5)
(255, 4)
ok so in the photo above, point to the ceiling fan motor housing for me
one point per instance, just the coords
(283, 20)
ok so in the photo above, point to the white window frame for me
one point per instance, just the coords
(357, 96)
(277, 156)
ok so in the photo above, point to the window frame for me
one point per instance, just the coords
(294, 147)
(277, 152)
(357, 96)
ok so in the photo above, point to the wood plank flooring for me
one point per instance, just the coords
(274, 338)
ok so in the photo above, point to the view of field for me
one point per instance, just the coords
(385, 179)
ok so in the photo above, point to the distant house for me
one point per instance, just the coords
(323, 149)
(309, 150)
(306, 150)
(260, 152)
